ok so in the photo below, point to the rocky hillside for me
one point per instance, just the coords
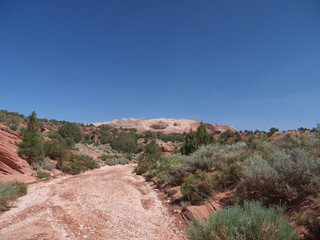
(172, 125)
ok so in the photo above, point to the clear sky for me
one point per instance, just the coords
(250, 64)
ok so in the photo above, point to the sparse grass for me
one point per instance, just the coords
(9, 192)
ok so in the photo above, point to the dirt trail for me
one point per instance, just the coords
(107, 203)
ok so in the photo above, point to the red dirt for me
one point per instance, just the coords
(107, 203)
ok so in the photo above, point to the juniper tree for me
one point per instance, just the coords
(31, 147)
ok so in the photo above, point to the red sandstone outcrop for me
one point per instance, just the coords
(11, 165)
(173, 125)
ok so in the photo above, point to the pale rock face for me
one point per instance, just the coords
(12, 167)
(173, 125)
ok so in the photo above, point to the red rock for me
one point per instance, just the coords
(11, 165)
(164, 125)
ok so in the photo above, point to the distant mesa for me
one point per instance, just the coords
(170, 125)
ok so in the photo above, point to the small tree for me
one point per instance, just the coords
(272, 131)
(194, 140)
(203, 135)
(190, 144)
(31, 147)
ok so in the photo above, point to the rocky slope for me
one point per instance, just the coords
(173, 125)
(12, 167)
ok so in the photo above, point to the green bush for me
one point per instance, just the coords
(77, 163)
(197, 187)
(147, 162)
(194, 140)
(10, 191)
(42, 174)
(250, 222)
(54, 149)
(149, 134)
(126, 143)
(106, 139)
(71, 131)
(177, 167)
(228, 169)
(69, 142)
(203, 158)
(288, 177)
(152, 147)
(172, 137)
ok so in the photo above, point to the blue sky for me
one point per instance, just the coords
(250, 64)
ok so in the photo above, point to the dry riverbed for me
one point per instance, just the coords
(106, 203)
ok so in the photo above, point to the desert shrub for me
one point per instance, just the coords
(53, 135)
(170, 169)
(197, 187)
(77, 163)
(152, 147)
(147, 162)
(258, 147)
(42, 174)
(91, 163)
(126, 143)
(151, 174)
(31, 147)
(54, 149)
(287, 142)
(288, 177)
(13, 127)
(89, 141)
(70, 143)
(46, 165)
(227, 134)
(70, 131)
(163, 177)
(172, 137)
(106, 139)
(203, 158)
(149, 134)
(116, 160)
(228, 169)
(178, 169)
(250, 222)
(87, 136)
(128, 156)
(171, 192)
(104, 157)
(10, 191)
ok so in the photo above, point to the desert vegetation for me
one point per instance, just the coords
(267, 178)
(272, 177)
(10, 191)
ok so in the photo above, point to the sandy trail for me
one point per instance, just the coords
(107, 203)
